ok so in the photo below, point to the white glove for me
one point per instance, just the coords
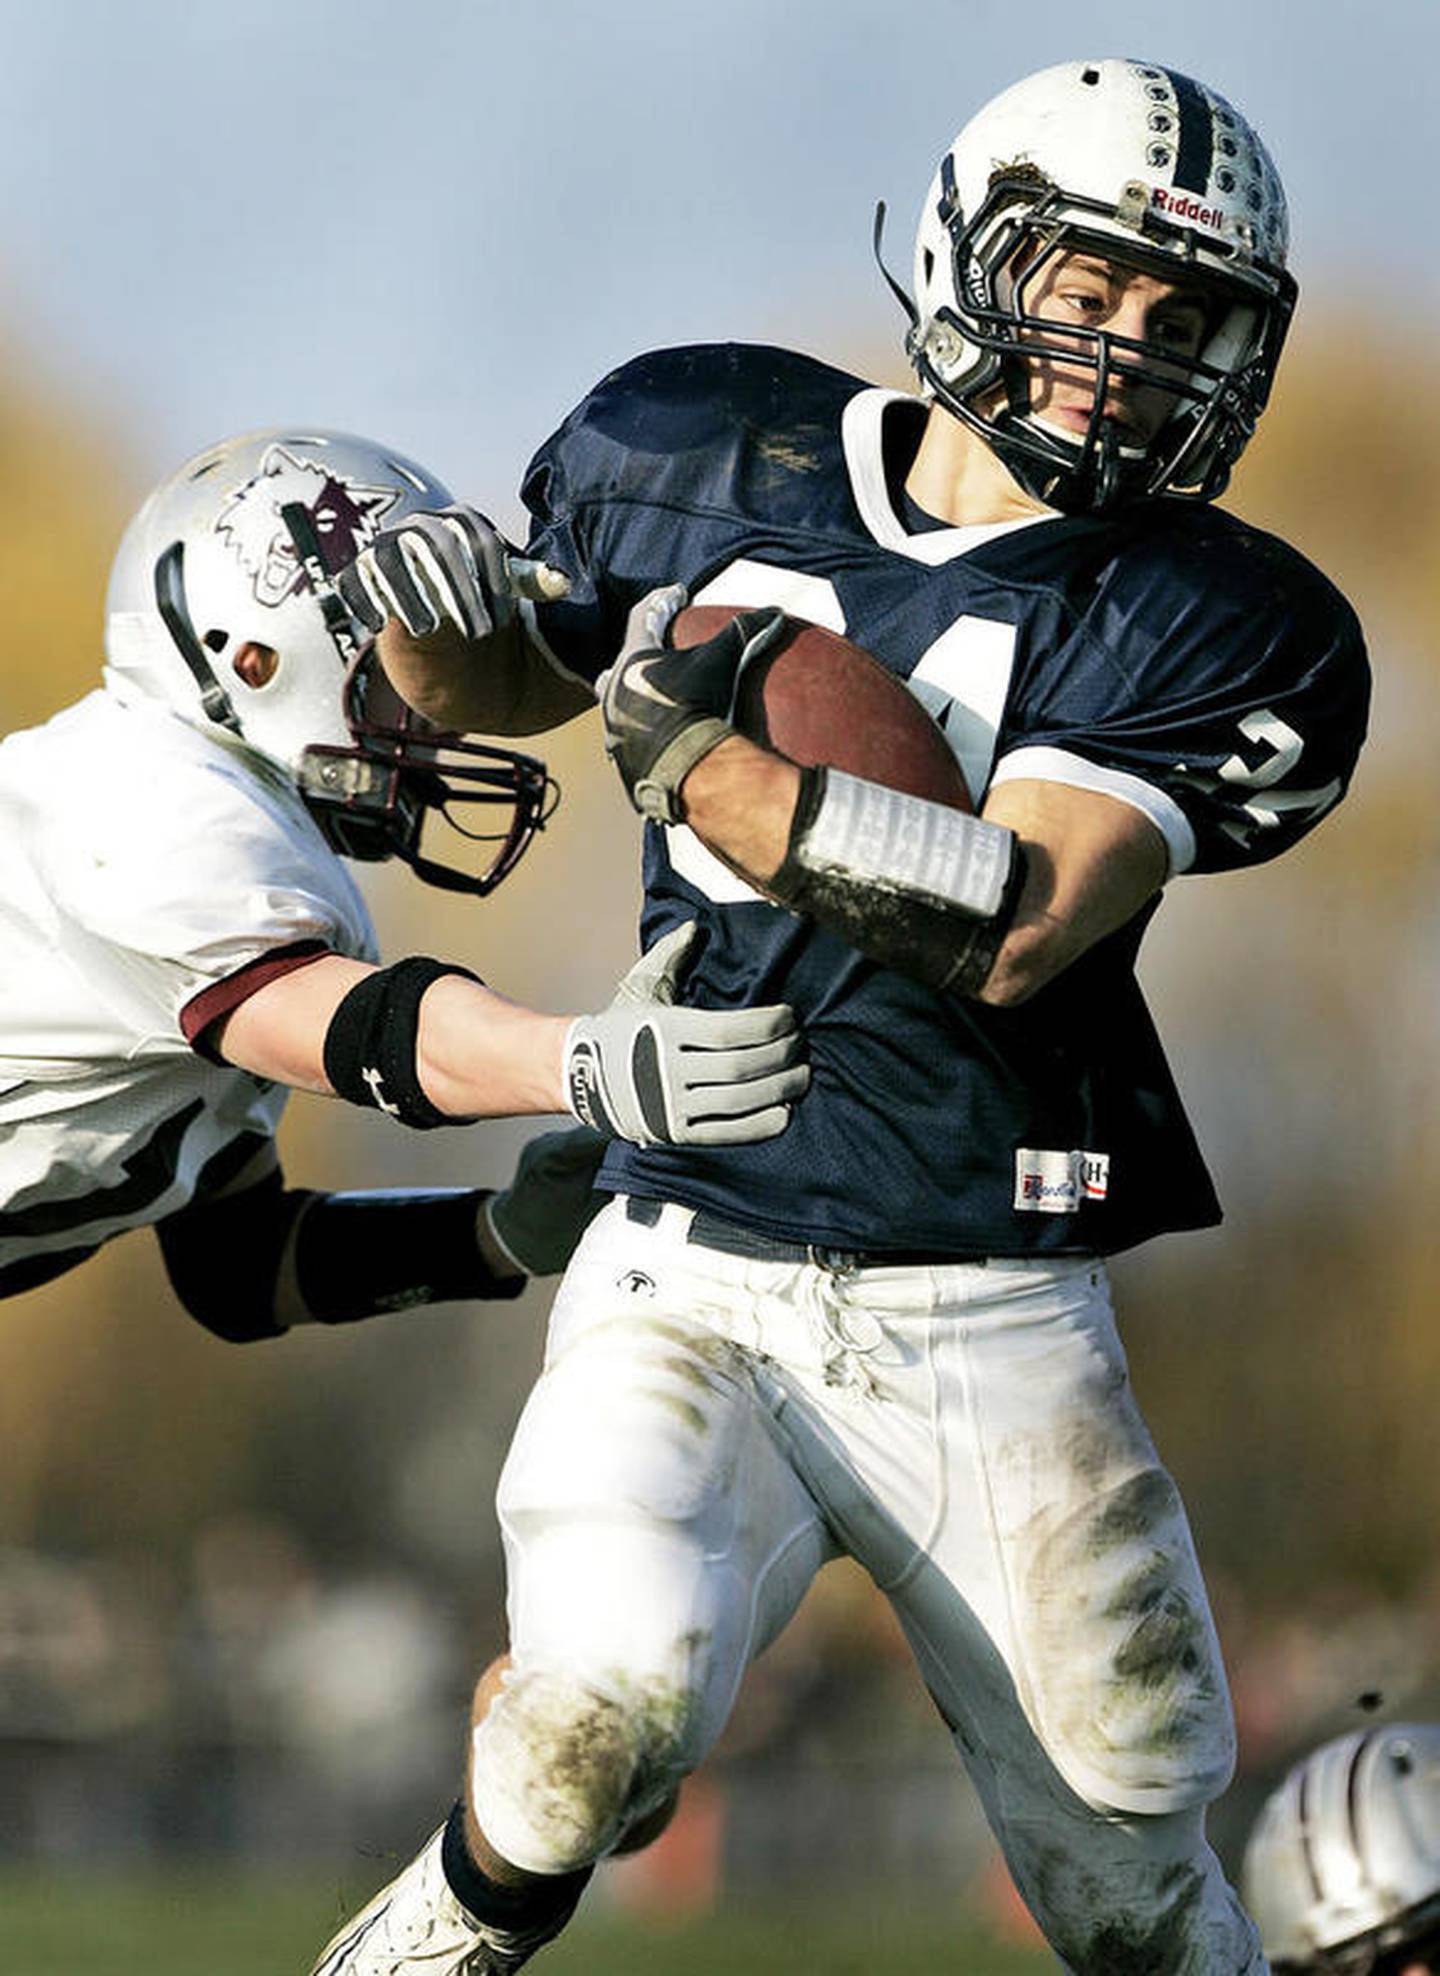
(541, 1215)
(444, 566)
(646, 1070)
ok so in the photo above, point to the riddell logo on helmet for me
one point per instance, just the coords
(1185, 206)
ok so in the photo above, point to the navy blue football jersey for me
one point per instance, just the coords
(1168, 655)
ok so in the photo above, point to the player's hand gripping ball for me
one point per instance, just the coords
(813, 696)
(687, 677)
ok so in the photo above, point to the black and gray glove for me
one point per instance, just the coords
(444, 566)
(660, 1075)
(665, 710)
(538, 1219)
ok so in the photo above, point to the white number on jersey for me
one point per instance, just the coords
(962, 681)
(1282, 748)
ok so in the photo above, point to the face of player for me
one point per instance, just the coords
(1090, 291)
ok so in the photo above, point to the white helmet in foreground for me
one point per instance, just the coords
(1342, 1871)
(222, 605)
(1139, 164)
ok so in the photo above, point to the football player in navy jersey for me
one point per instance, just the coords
(889, 1332)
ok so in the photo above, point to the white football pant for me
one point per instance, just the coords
(708, 1430)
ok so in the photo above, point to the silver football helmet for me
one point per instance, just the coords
(1134, 162)
(1342, 1871)
(234, 557)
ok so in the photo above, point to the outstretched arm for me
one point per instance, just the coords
(449, 600)
(476, 1055)
(257, 1258)
(503, 685)
(432, 1045)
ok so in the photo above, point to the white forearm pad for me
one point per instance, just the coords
(878, 836)
(915, 885)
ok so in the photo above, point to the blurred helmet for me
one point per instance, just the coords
(1141, 165)
(1342, 1870)
(240, 548)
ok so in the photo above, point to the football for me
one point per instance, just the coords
(817, 698)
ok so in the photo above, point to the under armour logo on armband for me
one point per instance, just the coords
(373, 1078)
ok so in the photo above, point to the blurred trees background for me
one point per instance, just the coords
(1289, 1363)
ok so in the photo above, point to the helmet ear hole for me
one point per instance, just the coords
(254, 664)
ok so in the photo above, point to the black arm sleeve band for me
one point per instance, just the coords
(918, 887)
(223, 1258)
(369, 1052)
(358, 1255)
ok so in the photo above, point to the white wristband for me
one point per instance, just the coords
(882, 837)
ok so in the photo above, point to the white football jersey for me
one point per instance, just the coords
(142, 861)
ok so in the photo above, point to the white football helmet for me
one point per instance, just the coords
(240, 548)
(1342, 1871)
(1130, 160)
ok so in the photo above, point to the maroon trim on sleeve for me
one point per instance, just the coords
(211, 1006)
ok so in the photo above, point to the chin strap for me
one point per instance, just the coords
(1092, 485)
(1106, 467)
(215, 702)
(891, 283)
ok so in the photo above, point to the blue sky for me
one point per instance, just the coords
(224, 216)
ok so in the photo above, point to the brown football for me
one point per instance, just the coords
(819, 698)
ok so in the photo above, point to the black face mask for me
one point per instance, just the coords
(374, 798)
(1425, 1951)
(1023, 228)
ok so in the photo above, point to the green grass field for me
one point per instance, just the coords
(211, 1926)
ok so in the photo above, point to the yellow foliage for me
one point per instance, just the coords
(61, 509)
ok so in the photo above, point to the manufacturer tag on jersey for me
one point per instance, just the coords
(1057, 1183)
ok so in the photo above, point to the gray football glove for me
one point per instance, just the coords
(444, 566)
(541, 1215)
(646, 1070)
(665, 710)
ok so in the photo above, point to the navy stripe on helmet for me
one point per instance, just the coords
(1195, 152)
(1305, 1821)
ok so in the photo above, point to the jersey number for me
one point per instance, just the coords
(1277, 749)
(962, 682)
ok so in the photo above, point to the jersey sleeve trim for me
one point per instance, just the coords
(1059, 765)
(539, 643)
(862, 437)
(212, 1005)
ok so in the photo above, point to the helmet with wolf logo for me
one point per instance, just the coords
(222, 604)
